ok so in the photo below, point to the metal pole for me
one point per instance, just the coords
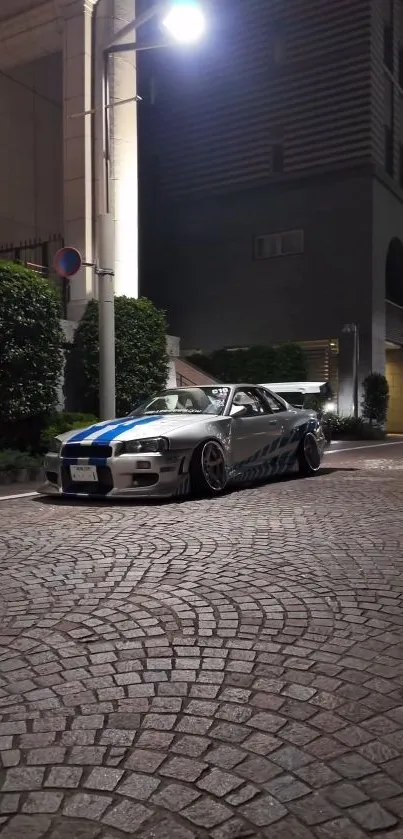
(105, 266)
(106, 293)
(106, 232)
(356, 368)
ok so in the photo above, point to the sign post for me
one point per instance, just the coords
(67, 263)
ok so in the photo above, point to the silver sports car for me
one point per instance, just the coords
(191, 440)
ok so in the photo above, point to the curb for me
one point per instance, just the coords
(31, 475)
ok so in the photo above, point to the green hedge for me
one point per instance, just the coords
(285, 363)
(31, 341)
(351, 428)
(33, 438)
(12, 460)
(59, 423)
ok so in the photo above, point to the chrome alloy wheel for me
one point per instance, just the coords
(311, 452)
(213, 466)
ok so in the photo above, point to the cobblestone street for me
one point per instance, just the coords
(228, 668)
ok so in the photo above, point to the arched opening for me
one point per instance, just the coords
(394, 272)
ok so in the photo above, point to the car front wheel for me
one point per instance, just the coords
(308, 456)
(208, 472)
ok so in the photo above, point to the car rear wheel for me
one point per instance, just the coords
(308, 456)
(208, 472)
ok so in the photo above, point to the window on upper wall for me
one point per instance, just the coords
(388, 126)
(287, 243)
(277, 158)
(387, 13)
(277, 48)
(400, 105)
(400, 41)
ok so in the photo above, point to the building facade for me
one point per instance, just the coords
(273, 182)
(52, 136)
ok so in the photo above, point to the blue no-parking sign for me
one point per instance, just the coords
(67, 262)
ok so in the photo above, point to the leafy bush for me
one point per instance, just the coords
(352, 428)
(12, 460)
(258, 364)
(30, 349)
(141, 359)
(59, 423)
(376, 398)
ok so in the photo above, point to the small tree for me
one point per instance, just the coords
(141, 359)
(376, 398)
(30, 353)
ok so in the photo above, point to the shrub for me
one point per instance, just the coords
(141, 359)
(258, 364)
(376, 398)
(59, 423)
(30, 350)
(12, 460)
(353, 428)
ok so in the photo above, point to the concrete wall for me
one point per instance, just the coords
(394, 374)
(387, 224)
(31, 148)
(202, 270)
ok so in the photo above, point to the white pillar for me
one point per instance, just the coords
(113, 15)
(78, 205)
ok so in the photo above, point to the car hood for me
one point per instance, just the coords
(134, 428)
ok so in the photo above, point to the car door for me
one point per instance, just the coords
(253, 433)
(286, 441)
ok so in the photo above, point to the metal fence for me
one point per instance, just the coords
(39, 255)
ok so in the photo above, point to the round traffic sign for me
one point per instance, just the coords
(67, 262)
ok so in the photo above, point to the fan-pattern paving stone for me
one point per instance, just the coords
(229, 668)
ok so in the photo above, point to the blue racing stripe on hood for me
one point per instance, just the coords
(113, 433)
(92, 429)
(112, 430)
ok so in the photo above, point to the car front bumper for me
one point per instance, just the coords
(148, 475)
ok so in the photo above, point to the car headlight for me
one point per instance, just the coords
(153, 444)
(55, 446)
(330, 408)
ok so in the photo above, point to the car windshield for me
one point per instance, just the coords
(186, 400)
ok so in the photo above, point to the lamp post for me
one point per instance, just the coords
(184, 22)
(352, 328)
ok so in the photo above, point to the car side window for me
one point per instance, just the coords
(252, 400)
(274, 404)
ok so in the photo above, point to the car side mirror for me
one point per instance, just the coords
(238, 411)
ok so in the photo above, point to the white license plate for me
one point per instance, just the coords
(83, 474)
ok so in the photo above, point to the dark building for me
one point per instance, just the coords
(272, 182)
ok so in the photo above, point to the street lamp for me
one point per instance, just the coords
(353, 329)
(184, 22)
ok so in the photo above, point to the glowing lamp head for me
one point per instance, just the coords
(185, 21)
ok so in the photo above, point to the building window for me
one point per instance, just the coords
(388, 47)
(388, 34)
(388, 126)
(288, 243)
(401, 66)
(389, 151)
(277, 49)
(277, 158)
(400, 41)
(400, 125)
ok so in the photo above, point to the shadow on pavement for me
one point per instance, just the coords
(153, 502)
